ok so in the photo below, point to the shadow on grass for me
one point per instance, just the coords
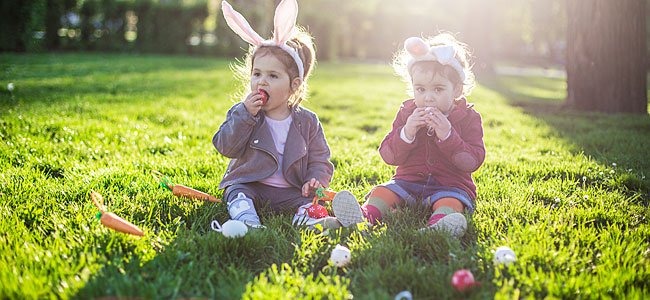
(197, 262)
(403, 258)
(200, 263)
(618, 140)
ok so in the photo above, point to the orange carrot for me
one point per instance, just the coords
(323, 194)
(114, 222)
(111, 220)
(329, 195)
(187, 192)
(182, 191)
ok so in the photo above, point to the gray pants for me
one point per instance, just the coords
(242, 200)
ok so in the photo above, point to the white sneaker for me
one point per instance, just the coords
(326, 222)
(347, 209)
(454, 223)
(252, 225)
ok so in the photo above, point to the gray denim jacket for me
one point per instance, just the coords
(247, 140)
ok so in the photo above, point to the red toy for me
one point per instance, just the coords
(316, 210)
(463, 280)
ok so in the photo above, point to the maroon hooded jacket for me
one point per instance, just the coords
(450, 162)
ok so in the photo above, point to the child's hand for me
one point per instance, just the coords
(437, 121)
(253, 103)
(414, 122)
(310, 186)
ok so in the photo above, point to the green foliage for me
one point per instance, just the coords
(568, 192)
(157, 34)
(287, 283)
(19, 21)
(101, 25)
(526, 30)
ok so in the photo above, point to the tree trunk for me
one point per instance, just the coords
(52, 24)
(606, 56)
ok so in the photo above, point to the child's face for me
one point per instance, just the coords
(432, 89)
(270, 74)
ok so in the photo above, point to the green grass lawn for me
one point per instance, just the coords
(568, 192)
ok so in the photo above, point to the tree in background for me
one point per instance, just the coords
(548, 29)
(606, 56)
(19, 21)
(54, 12)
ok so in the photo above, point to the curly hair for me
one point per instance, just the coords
(401, 60)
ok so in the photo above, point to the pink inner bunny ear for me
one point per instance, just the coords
(239, 25)
(284, 21)
(416, 46)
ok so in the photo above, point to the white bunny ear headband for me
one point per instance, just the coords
(284, 23)
(444, 54)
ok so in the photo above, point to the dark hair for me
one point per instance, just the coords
(303, 43)
(446, 71)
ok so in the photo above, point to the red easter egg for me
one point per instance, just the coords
(462, 280)
(265, 96)
(317, 211)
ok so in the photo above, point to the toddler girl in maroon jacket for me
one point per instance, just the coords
(436, 140)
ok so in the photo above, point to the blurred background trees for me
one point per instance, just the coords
(531, 30)
(526, 32)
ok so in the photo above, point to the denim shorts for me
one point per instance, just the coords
(412, 192)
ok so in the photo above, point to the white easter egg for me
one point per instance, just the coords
(340, 256)
(234, 228)
(504, 255)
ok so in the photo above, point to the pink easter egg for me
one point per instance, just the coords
(463, 280)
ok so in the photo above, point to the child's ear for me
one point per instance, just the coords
(458, 91)
(295, 83)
